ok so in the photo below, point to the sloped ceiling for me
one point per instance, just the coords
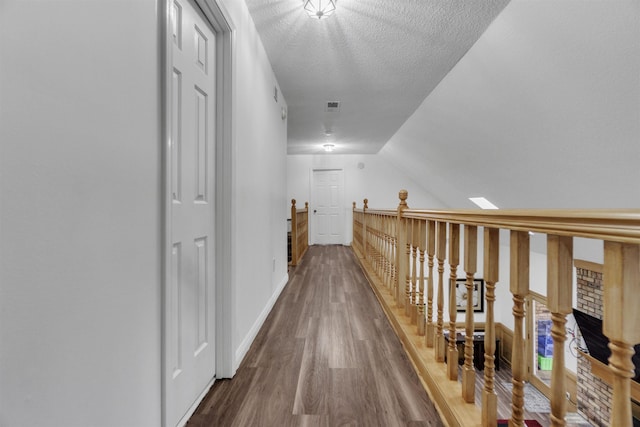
(378, 58)
(543, 111)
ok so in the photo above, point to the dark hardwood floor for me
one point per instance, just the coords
(326, 356)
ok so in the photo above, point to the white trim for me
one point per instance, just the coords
(195, 405)
(243, 348)
(165, 54)
(219, 19)
(216, 13)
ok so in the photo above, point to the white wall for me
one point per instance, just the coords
(260, 209)
(80, 204)
(80, 215)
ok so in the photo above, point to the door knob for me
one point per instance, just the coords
(314, 211)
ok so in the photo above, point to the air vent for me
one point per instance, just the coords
(332, 107)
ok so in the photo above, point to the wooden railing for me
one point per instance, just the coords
(299, 231)
(392, 244)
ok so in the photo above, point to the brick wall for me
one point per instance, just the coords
(594, 395)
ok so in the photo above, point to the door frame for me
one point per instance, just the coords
(219, 19)
(312, 222)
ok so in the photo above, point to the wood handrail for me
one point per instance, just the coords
(604, 224)
(299, 231)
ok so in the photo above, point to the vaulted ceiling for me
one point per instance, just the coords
(379, 59)
(530, 103)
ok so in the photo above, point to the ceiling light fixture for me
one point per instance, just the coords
(328, 147)
(319, 9)
(483, 203)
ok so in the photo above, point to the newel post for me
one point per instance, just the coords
(294, 233)
(620, 323)
(402, 257)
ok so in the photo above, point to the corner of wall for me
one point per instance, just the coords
(244, 346)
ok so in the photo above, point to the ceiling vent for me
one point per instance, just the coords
(332, 107)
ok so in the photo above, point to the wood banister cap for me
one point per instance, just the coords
(293, 202)
(306, 205)
(366, 203)
(403, 194)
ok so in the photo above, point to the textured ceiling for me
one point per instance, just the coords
(380, 59)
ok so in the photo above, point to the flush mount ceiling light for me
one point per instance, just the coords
(483, 203)
(319, 9)
(328, 147)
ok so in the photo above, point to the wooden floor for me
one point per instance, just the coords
(326, 356)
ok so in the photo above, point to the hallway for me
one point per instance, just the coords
(326, 356)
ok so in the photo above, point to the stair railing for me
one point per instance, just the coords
(299, 231)
(391, 245)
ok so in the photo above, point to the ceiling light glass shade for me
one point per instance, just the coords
(320, 9)
(328, 147)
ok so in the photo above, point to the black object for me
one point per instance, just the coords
(597, 343)
(478, 350)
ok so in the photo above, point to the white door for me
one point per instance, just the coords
(189, 320)
(327, 207)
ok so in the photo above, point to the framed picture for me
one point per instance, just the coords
(477, 295)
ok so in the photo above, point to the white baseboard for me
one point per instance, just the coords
(195, 405)
(243, 348)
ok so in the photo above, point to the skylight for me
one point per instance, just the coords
(483, 203)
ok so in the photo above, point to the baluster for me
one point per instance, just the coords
(379, 242)
(621, 301)
(306, 226)
(454, 259)
(402, 257)
(390, 225)
(491, 270)
(407, 287)
(470, 267)
(375, 238)
(559, 296)
(421, 243)
(365, 253)
(377, 247)
(394, 251)
(519, 286)
(413, 306)
(439, 348)
(294, 233)
(374, 244)
(385, 253)
(354, 227)
(380, 247)
(431, 249)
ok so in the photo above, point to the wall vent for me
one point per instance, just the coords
(332, 107)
